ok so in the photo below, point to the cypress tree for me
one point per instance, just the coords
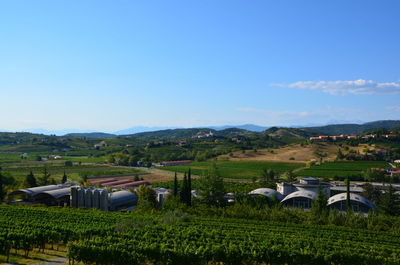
(31, 180)
(44, 180)
(2, 192)
(189, 188)
(348, 206)
(183, 189)
(175, 185)
(64, 178)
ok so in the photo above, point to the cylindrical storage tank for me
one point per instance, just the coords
(104, 200)
(81, 197)
(88, 198)
(96, 199)
(74, 197)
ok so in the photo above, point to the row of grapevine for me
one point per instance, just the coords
(92, 238)
(205, 242)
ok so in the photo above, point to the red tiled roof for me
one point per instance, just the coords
(122, 181)
(132, 184)
(96, 181)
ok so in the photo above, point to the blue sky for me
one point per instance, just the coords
(110, 65)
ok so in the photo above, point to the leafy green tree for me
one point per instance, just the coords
(147, 196)
(319, 206)
(30, 180)
(111, 159)
(374, 175)
(84, 178)
(5, 180)
(44, 179)
(132, 160)
(290, 176)
(211, 188)
(268, 176)
(390, 202)
(371, 193)
(339, 154)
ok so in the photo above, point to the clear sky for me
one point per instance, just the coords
(110, 65)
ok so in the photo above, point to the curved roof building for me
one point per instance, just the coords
(357, 202)
(54, 197)
(29, 193)
(267, 192)
(121, 199)
(300, 199)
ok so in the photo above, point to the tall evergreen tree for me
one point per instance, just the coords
(30, 180)
(64, 178)
(2, 191)
(175, 185)
(44, 180)
(189, 188)
(320, 204)
(184, 189)
(348, 205)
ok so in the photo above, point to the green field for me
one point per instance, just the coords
(56, 170)
(341, 169)
(237, 170)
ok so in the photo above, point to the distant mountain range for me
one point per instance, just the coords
(176, 132)
(248, 127)
(93, 135)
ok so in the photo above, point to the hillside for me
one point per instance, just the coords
(292, 153)
(177, 134)
(353, 129)
(92, 135)
(289, 132)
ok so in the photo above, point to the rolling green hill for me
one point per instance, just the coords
(352, 129)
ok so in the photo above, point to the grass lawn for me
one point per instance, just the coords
(236, 169)
(341, 168)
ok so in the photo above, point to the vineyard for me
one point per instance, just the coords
(236, 169)
(95, 237)
(341, 168)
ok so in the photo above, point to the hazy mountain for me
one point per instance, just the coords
(247, 127)
(140, 129)
(174, 132)
(93, 135)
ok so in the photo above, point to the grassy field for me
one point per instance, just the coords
(341, 169)
(57, 168)
(236, 169)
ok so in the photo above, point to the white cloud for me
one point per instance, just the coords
(355, 87)
(325, 115)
